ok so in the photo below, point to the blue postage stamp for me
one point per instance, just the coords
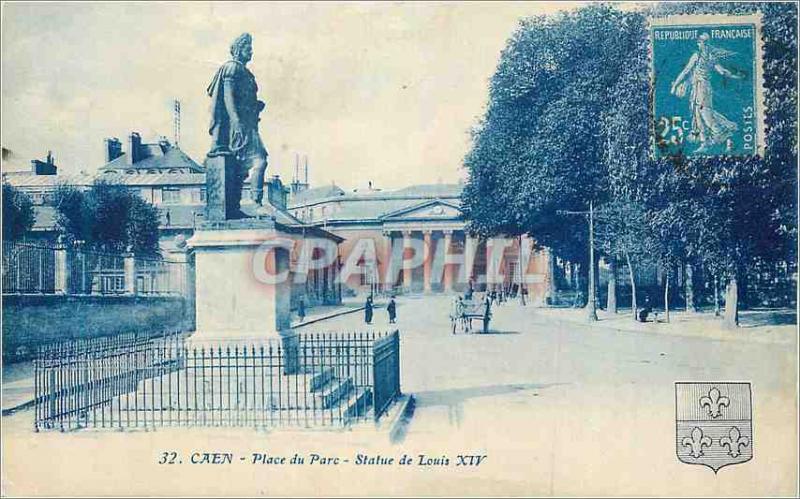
(707, 85)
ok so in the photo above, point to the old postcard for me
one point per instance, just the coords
(373, 249)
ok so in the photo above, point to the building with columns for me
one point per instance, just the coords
(413, 240)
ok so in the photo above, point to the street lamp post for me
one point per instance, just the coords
(591, 302)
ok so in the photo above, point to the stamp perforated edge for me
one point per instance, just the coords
(702, 19)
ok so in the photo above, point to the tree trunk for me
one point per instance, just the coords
(690, 306)
(611, 303)
(716, 296)
(743, 288)
(666, 295)
(634, 308)
(732, 304)
(553, 277)
(573, 275)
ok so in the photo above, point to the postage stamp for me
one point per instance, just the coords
(707, 86)
(713, 423)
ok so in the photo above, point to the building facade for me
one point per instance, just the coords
(414, 240)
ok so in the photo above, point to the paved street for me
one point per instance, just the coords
(554, 404)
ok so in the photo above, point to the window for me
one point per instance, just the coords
(37, 197)
(195, 195)
(171, 195)
(202, 194)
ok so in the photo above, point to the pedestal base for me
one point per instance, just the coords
(233, 301)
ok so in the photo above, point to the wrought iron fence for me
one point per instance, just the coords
(28, 268)
(39, 268)
(305, 380)
(160, 277)
(93, 272)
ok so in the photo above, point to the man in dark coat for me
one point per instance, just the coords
(368, 310)
(392, 310)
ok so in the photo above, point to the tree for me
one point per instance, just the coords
(73, 219)
(539, 149)
(18, 214)
(701, 210)
(568, 122)
(732, 232)
(108, 217)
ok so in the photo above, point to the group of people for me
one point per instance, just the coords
(504, 294)
(391, 309)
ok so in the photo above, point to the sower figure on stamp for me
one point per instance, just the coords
(234, 119)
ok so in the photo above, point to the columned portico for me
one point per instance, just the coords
(424, 272)
(448, 269)
(405, 261)
(427, 260)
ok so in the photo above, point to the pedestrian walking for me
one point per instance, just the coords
(523, 295)
(487, 313)
(391, 308)
(301, 310)
(368, 310)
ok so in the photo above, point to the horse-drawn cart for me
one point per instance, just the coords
(465, 311)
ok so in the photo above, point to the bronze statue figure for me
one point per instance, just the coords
(235, 114)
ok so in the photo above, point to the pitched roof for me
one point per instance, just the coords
(157, 157)
(181, 216)
(317, 193)
(87, 179)
(374, 205)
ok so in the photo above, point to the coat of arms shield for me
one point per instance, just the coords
(714, 423)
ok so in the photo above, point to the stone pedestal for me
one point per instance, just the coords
(240, 295)
(223, 188)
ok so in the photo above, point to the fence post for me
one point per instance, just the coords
(62, 270)
(184, 256)
(130, 273)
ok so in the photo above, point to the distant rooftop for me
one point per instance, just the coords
(420, 191)
(147, 158)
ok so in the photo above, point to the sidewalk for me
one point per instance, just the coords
(759, 326)
(18, 381)
(322, 312)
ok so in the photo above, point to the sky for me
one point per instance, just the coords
(381, 92)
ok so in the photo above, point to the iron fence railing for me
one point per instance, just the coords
(159, 277)
(28, 268)
(39, 268)
(92, 272)
(139, 382)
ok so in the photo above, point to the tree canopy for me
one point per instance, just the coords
(569, 121)
(18, 214)
(107, 217)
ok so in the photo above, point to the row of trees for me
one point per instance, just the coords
(105, 217)
(568, 124)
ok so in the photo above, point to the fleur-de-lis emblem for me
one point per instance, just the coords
(697, 442)
(734, 441)
(715, 402)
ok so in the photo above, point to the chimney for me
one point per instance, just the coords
(134, 144)
(276, 192)
(46, 167)
(306, 160)
(113, 149)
